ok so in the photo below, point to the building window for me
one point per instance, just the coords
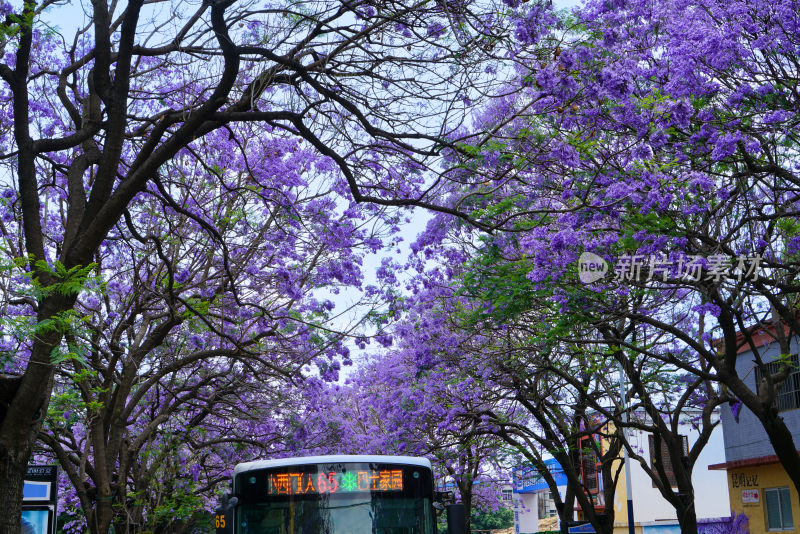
(779, 509)
(789, 393)
(506, 495)
(666, 461)
(590, 464)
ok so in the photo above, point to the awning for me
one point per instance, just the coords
(527, 479)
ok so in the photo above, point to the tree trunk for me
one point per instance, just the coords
(23, 418)
(13, 464)
(600, 522)
(18, 432)
(101, 517)
(687, 517)
(685, 506)
(783, 443)
(466, 499)
(120, 526)
(103, 514)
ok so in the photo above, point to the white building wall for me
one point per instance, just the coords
(526, 513)
(711, 487)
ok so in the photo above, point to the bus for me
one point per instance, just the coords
(343, 494)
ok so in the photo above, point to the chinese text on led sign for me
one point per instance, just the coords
(332, 482)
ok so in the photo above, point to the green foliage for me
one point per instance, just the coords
(69, 351)
(501, 207)
(786, 360)
(789, 227)
(65, 408)
(68, 282)
(197, 306)
(172, 495)
(500, 282)
(178, 505)
(14, 24)
(69, 324)
(502, 518)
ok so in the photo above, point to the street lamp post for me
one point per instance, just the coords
(626, 458)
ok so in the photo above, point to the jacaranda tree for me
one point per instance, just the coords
(97, 117)
(163, 341)
(661, 138)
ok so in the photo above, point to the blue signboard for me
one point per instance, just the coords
(527, 479)
(586, 527)
(36, 491)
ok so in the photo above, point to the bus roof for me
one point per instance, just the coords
(332, 459)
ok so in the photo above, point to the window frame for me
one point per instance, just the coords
(788, 397)
(666, 461)
(778, 491)
(584, 445)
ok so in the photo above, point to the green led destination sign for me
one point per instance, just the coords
(331, 482)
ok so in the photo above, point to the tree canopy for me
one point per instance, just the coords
(189, 186)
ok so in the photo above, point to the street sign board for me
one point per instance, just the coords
(39, 499)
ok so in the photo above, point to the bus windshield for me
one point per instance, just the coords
(345, 498)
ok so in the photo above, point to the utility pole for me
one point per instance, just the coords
(626, 458)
